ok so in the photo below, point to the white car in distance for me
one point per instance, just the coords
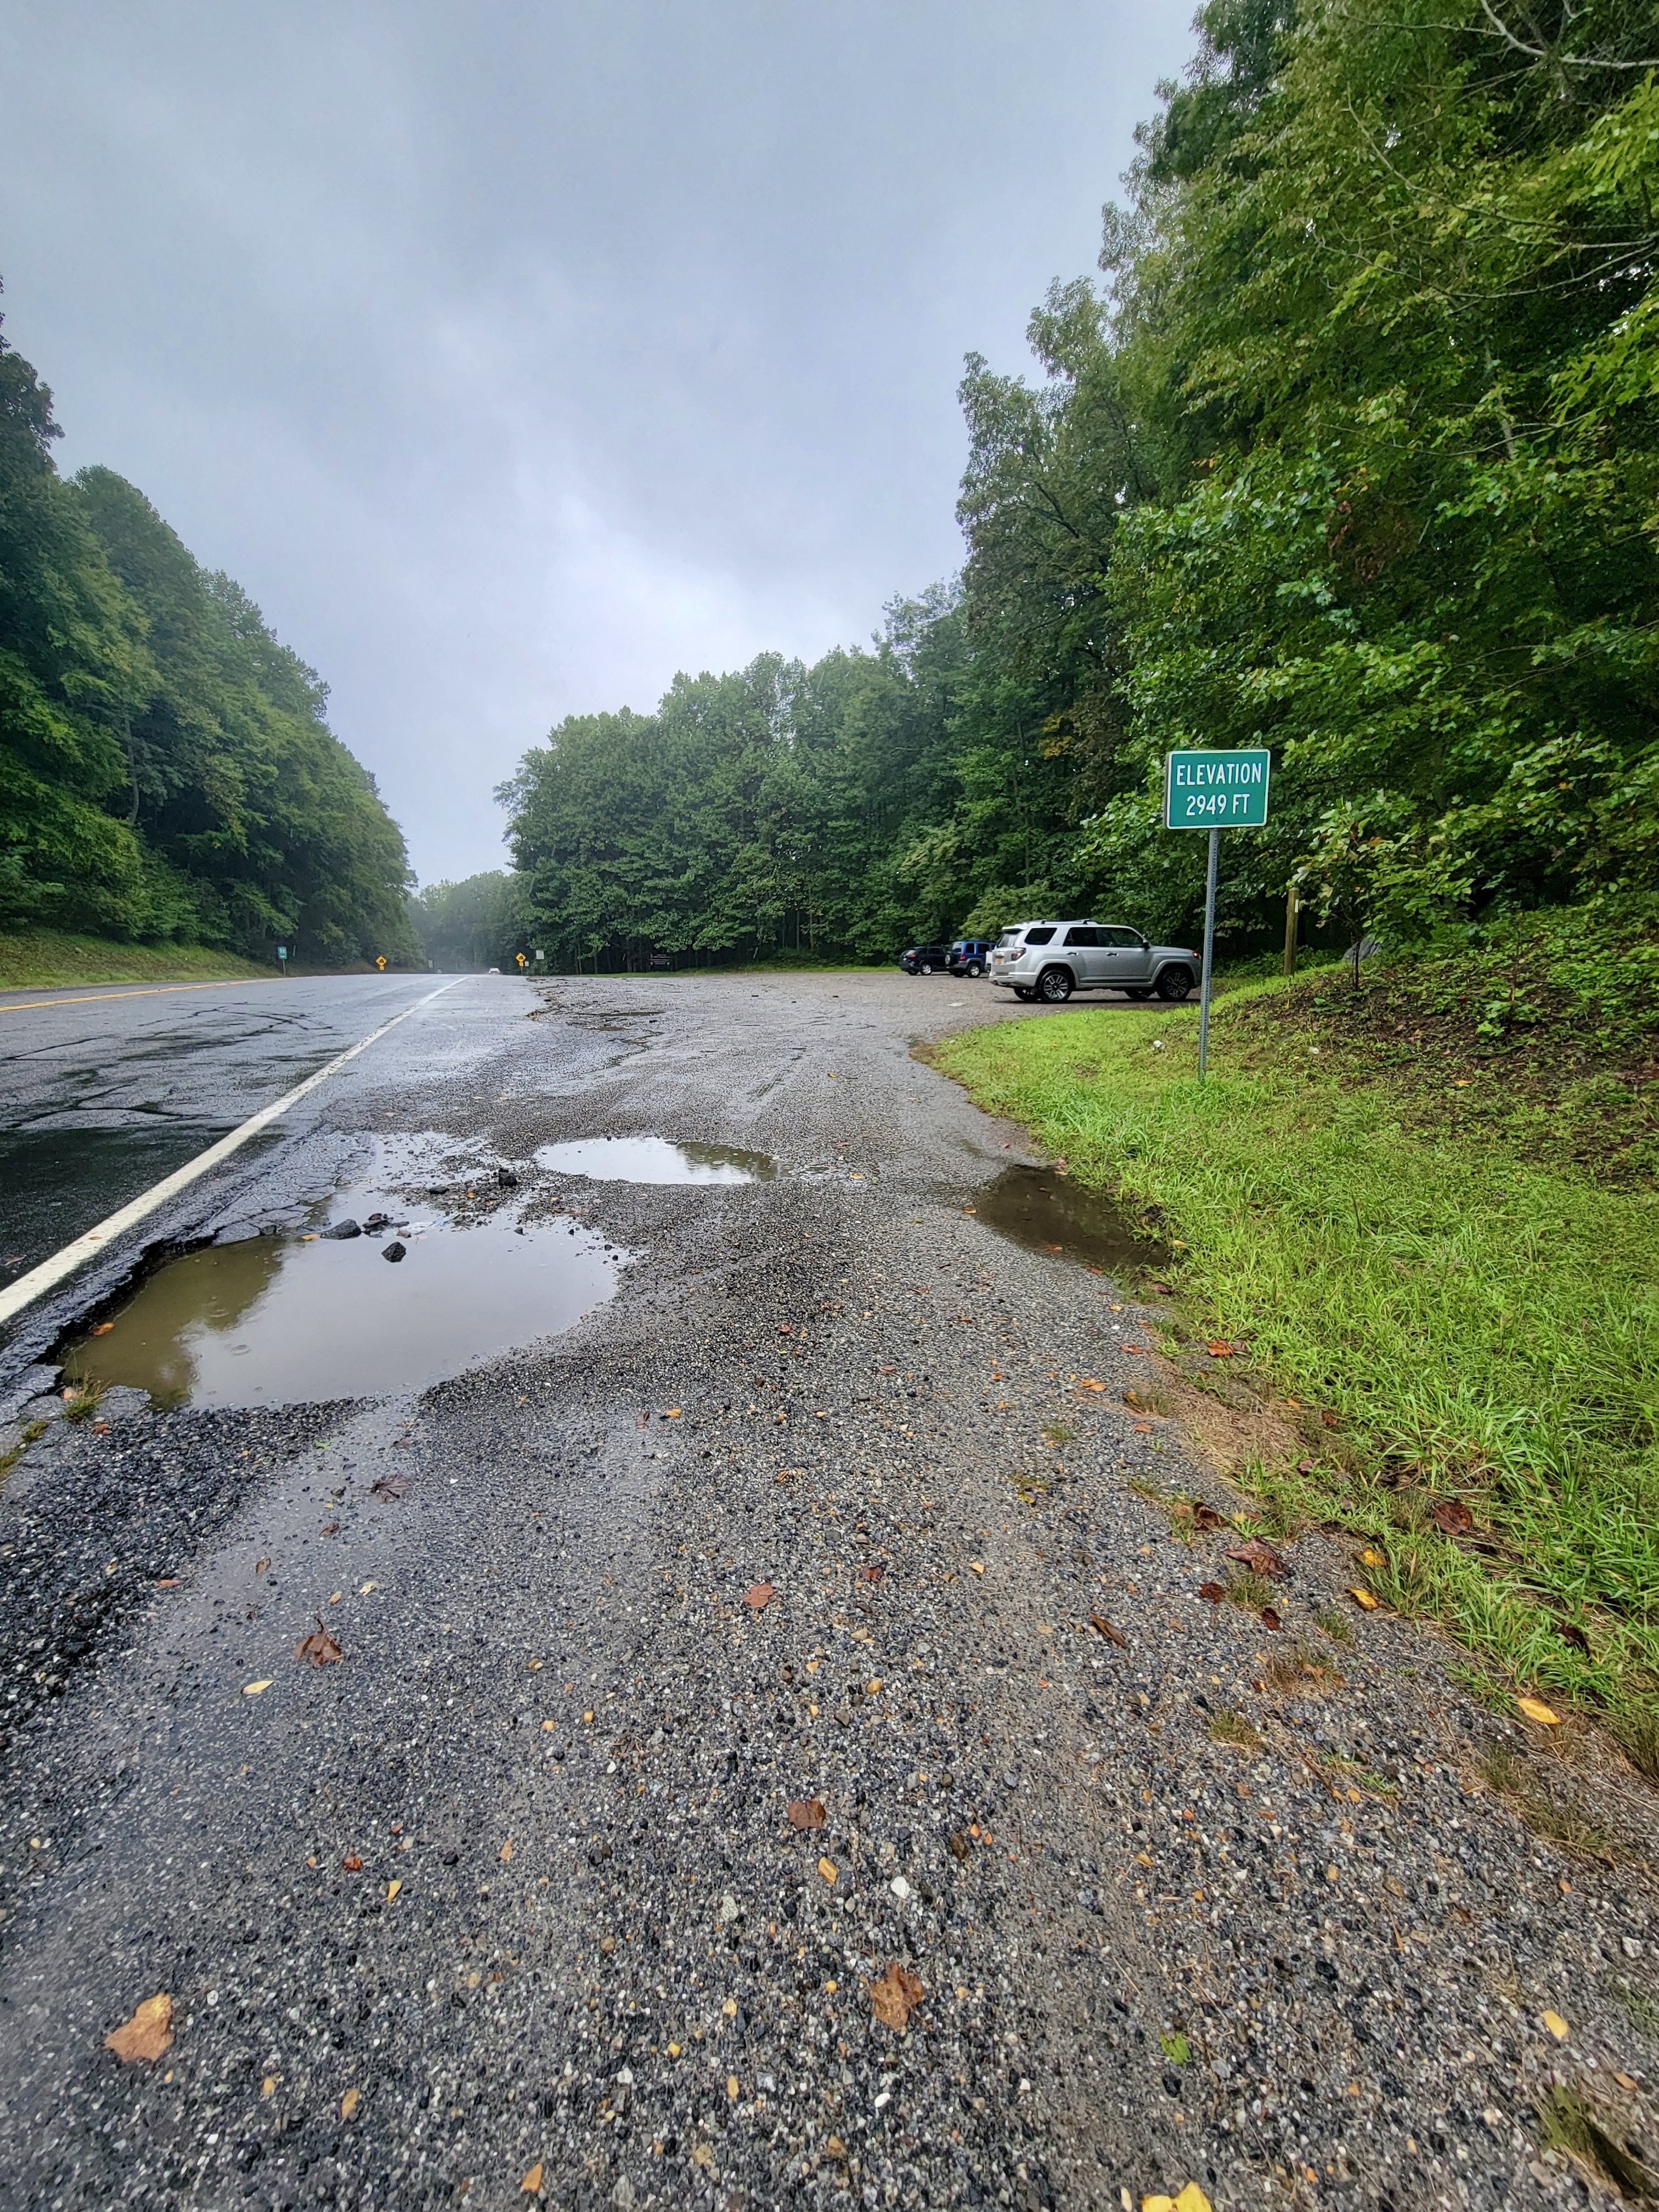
(1050, 960)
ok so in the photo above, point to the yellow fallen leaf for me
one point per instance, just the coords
(673, 2051)
(1362, 1597)
(1556, 2025)
(826, 1869)
(337, 1595)
(1369, 1558)
(506, 1851)
(348, 2103)
(268, 2086)
(1157, 2204)
(254, 1689)
(392, 1889)
(1536, 1709)
(588, 1716)
(975, 1567)
(147, 2034)
(732, 2086)
(1089, 1382)
(673, 1414)
(549, 1726)
(1192, 2199)
(532, 2183)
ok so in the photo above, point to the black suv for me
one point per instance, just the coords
(923, 960)
(970, 956)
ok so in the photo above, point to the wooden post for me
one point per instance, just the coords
(1291, 903)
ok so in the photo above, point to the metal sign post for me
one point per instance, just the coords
(1214, 790)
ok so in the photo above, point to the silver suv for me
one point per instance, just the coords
(1051, 959)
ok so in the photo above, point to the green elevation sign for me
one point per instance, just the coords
(1215, 790)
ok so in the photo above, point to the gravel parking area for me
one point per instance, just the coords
(781, 1751)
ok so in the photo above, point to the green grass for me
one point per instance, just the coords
(1481, 1325)
(46, 960)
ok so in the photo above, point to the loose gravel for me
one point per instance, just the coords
(508, 1901)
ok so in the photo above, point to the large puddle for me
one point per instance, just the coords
(654, 1159)
(278, 1320)
(1050, 1212)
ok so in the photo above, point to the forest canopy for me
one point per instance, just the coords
(167, 772)
(1352, 451)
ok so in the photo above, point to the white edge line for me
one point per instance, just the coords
(27, 1288)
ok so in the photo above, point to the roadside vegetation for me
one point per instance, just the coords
(1429, 1228)
(168, 775)
(44, 959)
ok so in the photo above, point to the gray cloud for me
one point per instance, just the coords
(516, 355)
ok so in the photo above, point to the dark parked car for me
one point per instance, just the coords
(923, 960)
(970, 956)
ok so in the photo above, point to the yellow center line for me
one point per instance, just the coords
(149, 991)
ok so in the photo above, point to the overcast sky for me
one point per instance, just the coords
(514, 354)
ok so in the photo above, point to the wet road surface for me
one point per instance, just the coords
(763, 1743)
(102, 1093)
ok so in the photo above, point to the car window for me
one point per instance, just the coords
(1082, 934)
(1008, 937)
(1039, 936)
(1120, 937)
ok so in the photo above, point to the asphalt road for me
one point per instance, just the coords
(815, 1508)
(105, 1091)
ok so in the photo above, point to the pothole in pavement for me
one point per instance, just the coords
(655, 1159)
(292, 1320)
(1048, 1212)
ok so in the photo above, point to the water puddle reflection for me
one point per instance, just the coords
(654, 1159)
(1050, 1212)
(283, 1321)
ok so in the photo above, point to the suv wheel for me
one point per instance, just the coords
(926, 967)
(1055, 985)
(974, 970)
(1174, 983)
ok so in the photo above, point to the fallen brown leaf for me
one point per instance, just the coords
(532, 2183)
(1089, 1382)
(1212, 1591)
(506, 1852)
(895, 1995)
(759, 1596)
(389, 1485)
(103, 1328)
(1329, 1418)
(260, 1565)
(805, 1812)
(352, 1864)
(319, 1647)
(1573, 1634)
(1103, 1627)
(1260, 1559)
(1220, 1350)
(826, 1869)
(873, 1573)
(1205, 1517)
(1452, 1517)
(348, 2103)
(1270, 1619)
(147, 2034)
(958, 1844)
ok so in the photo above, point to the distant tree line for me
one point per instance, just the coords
(1353, 453)
(166, 769)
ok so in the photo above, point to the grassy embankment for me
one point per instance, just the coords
(1427, 1209)
(46, 960)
